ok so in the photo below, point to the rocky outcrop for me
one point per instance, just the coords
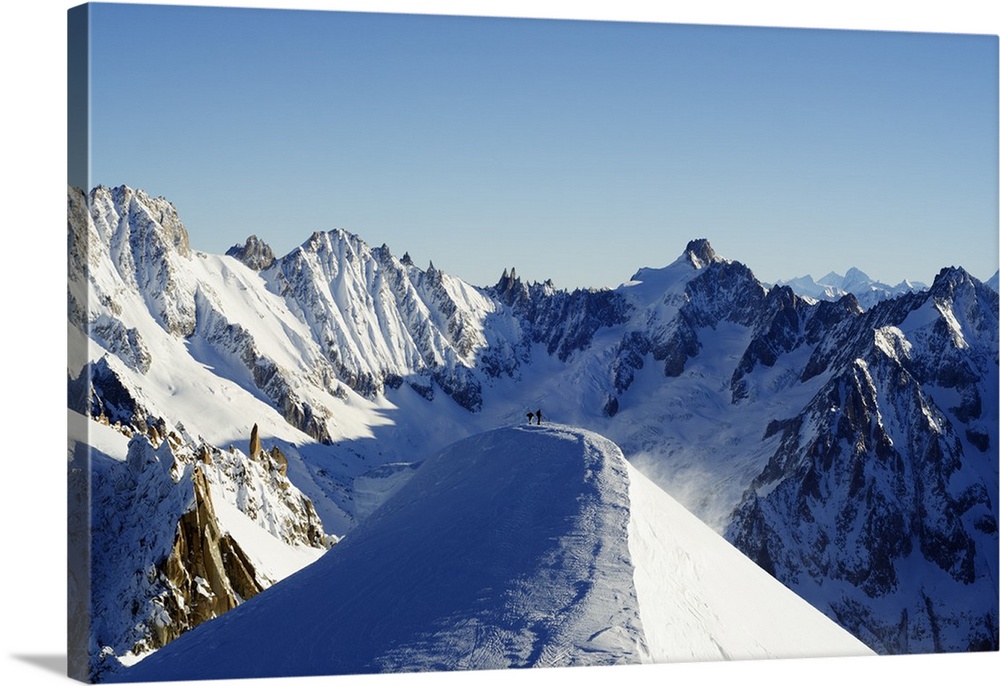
(254, 253)
(699, 253)
(564, 321)
(255, 448)
(148, 246)
(206, 573)
(163, 560)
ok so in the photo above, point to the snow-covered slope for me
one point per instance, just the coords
(522, 546)
(702, 599)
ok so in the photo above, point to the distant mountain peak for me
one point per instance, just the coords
(856, 281)
(700, 254)
(949, 280)
(152, 219)
(833, 286)
(254, 253)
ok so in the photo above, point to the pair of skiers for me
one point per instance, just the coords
(535, 415)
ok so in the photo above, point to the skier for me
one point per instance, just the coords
(531, 415)
(538, 415)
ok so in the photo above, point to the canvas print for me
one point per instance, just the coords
(425, 343)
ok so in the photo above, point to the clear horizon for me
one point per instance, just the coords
(577, 151)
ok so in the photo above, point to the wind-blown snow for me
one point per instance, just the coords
(522, 546)
(701, 599)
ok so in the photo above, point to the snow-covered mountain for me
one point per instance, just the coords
(886, 483)
(520, 547)
(357, 366)
(833, 286)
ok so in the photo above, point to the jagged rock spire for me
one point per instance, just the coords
(254, 253)
(508, 278)
(700, 254)
(255, 448)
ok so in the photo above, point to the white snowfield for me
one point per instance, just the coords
(524, 546)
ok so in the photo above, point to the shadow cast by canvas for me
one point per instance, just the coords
(49, 662)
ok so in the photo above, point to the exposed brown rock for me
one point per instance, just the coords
(280, 459)
(207, 572)
(255, 448)
(205, 455)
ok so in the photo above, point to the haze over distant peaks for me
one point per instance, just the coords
(833, 286)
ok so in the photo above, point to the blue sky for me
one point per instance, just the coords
(572, 150)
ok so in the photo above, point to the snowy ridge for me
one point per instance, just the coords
(377, 318)
(734, 398)
(522, 546)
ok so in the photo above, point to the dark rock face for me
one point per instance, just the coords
(700, 253)
(125, 343)
(629, 358)
(881, 483)
(677, 348)
(721, 292)
(565, 322)
(108, 395)
(254, 253)
(787, 323)
(463, 387)
(725, 291)
(109, 400)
